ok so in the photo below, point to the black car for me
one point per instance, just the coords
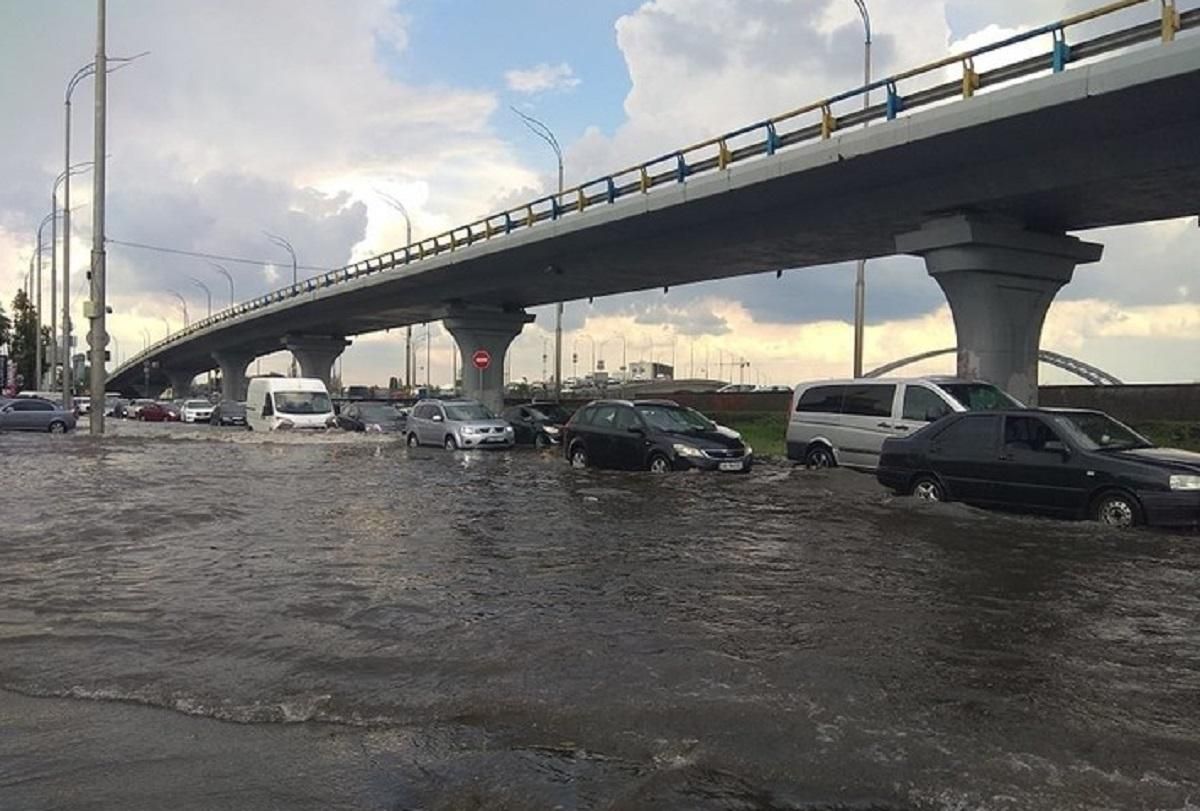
(373, 417)
(538, 424)
(1081, 464)
(655, 435)
(228, 412)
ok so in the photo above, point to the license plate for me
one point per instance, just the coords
(730, 466)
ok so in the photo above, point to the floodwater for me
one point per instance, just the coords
(195, 618)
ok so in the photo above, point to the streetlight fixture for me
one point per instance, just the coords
(166, 327)
(408, 358)
(539, 129)
(224, 271)
(81, 74)
(51, 217)
(70, 171)
(860, 275)
(183, 304)
(287, 246)
(208, 294)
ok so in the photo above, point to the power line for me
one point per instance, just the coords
(201, 255)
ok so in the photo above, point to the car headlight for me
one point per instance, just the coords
(552, 430)
(466, 429)
(749, 451)
(1185, 482)
(686, 450)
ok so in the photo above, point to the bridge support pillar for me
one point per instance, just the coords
(491, 331)
(316, 354)
(181, 383)
(233, 365)
(1000, 280)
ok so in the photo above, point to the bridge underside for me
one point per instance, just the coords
(1113, 143)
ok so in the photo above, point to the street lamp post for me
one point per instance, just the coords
(81, 74)
(166, 327)
(53, 215)
(408, 357)
(287, 246)
(97, 337)
(208, 294)
(860, 275)
(64, 176)
(542, 131)
(183, 305)
(228, 277)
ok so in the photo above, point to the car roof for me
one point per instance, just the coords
(847, 381)
(671, 403)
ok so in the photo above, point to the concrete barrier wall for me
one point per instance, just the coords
(1149, 403)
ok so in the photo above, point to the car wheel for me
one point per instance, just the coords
(819, 457)
(58, 427)
(659, 464)
(1117, 510)
(450, 444)
(927, 488)
(579, 457)
(413, 441)
(541, 441)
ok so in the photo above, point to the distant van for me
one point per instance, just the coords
(288, 403)
(844, 422)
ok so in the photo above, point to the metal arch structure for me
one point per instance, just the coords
(1093, 375)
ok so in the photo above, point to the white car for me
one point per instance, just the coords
(196, 411)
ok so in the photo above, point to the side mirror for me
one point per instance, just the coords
(636, 429)
(436, 417)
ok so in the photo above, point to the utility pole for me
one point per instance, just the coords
(97, 337)
(860, 275)
(408, 355)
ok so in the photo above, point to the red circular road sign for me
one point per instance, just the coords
(482, 359)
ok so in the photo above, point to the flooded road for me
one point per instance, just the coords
(195, 618)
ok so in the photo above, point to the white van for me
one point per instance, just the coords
(844, 422)
(288, 403)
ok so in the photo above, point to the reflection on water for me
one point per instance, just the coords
(399, 628)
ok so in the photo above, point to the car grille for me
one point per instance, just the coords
(724, 453)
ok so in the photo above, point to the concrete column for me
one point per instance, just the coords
(999, 280)
(316, 354)
(181, 383)
(491, 330)
(233, 365)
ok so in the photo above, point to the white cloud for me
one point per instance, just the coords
(541, 78)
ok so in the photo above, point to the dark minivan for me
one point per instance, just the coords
(654, 435)
(1064, 462)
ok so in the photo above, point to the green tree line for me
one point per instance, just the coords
(19, 333)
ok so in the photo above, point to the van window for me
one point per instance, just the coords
(824, 399)
(869, 401)
(979, 396)
(922, 405)
(302, 402)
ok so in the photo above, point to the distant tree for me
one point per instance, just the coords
(393, 383)
(23, 339)
(5, 327)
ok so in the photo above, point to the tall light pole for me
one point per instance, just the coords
(224, 271)
(542, 131)
(208, 294)
(51, 217)
(166, 327)
(287, 246)
(183, 305)
(860, 276)
(97, 337)
(408, 358)
(81, 74)
(64, 175)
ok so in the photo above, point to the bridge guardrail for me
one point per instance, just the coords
(717, 152)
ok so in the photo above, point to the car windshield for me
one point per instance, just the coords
(468, 411)
(674, 418)
(378, 412)
(980, 396)
(1099, 432)
(549, 413)
(196, 404)
(302, 402)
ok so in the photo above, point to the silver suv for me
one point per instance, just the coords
(455, 424)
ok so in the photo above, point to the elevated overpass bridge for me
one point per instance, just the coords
(981, 173)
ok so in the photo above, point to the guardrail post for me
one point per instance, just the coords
(1170, 21)
(643, 179)
(828, 122)
(1062, 51)
(723, 154)
(612, 189)
(772, 138)
(895, 102)
(582, 199)
(970, 81)
(681, 168)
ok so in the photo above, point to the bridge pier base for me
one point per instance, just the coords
(316, 354)
(233, 373)
(492, 331)
(999, 280)
(181, 383)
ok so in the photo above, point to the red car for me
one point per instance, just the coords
(153, 412)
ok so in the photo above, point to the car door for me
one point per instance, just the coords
(1037, 470)
(599, 433)
(866, 421)
(962, 455)
(627, 443)
(22, 417)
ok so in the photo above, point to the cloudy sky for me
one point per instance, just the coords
(288, 115)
